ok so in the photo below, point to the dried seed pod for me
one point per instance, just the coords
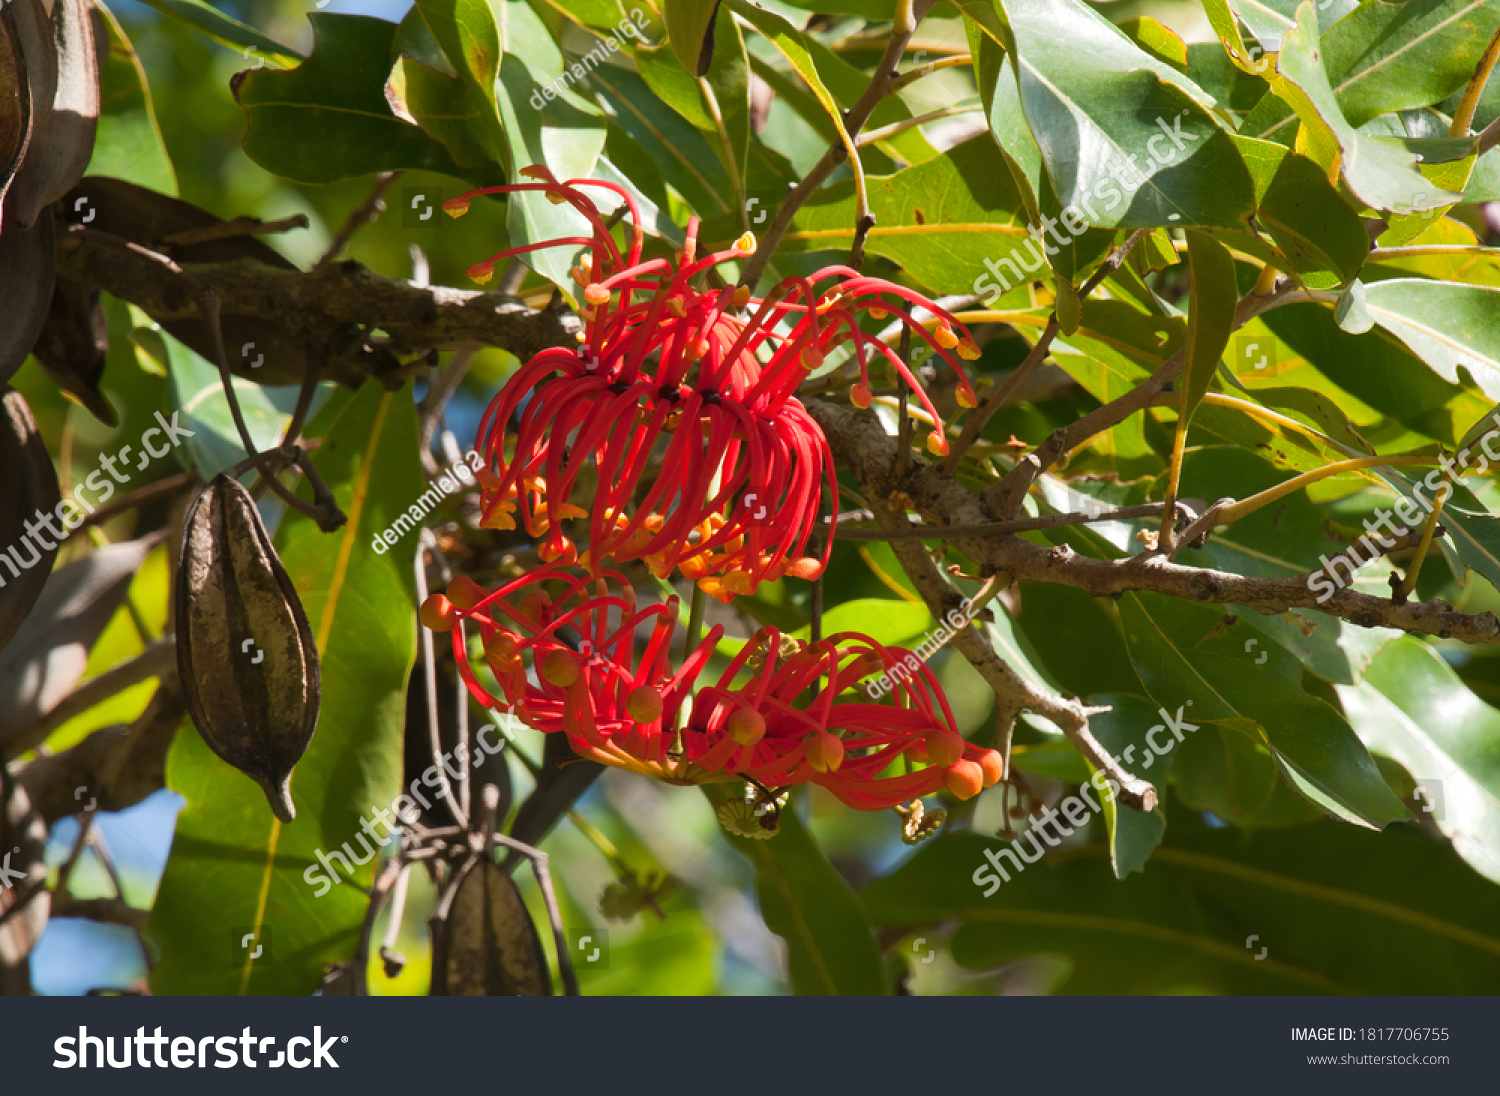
(245, 652)
(484, 944)
(28, 489)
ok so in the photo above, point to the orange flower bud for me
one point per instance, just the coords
(937, 444)
(503, 647)
(805, 568)
(746, 726)
(992, 766)
(860, 397)
(560, 668)
(944, 747)
(964, 779)
(644, 704)
(825, 752)
(745, 245)
(456, 207)
(945, 337)
(595, 293)
(438, 614)
(465, 593)
(482, 272)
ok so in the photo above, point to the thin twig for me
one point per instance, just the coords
(157, 660)
(439, 391)
(143, 496)
(371, 208)
(909, 13)
(996, 528)
(234, 229)
(975, 421)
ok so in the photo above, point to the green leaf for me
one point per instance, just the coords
(1157, 39)
(1446, 324)
(1133, 835)
(1215, 296)
(128, 143)
(831, 949)
(1412, 707)
(671, 958)
(890, 623)
(1391, 57)
(724, 122)
(1316, 231)
(1379, 171)
(1187, 656)
(443, 106)
(689, 23)
(945, 222)
(799, 51)
(1335, 908)
(211, 22)
(328, 118)
(566, 134)
(1099, 107)
(236, 870)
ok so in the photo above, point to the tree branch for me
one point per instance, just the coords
(862, 445)
(1013, 693)
(312, 306)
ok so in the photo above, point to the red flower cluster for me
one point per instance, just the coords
(672, 389)
(673, 431)
(781, 713)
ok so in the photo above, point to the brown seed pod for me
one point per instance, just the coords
(28, 488)
(485, 944)
(245, 652)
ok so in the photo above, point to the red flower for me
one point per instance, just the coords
(775, 718)
(672, 381)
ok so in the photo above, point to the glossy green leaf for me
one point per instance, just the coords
(1317, 232)
(1390, 57)
(328, 119)
(1124, 731)
(946, 222)
(128, 143)
(830, 943)
(566, 134)
(235, 871)
(1188, 657)
(1127, 139)
(1412, 707)
(1315, 909)
(210, 21)
(1446, 324)
(689, 23)
(686, 160)
(1210, 318)
(891, 623)
(1379, 171)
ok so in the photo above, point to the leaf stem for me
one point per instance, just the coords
(1230, 514)
(1464, 115)
(1409, 583)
